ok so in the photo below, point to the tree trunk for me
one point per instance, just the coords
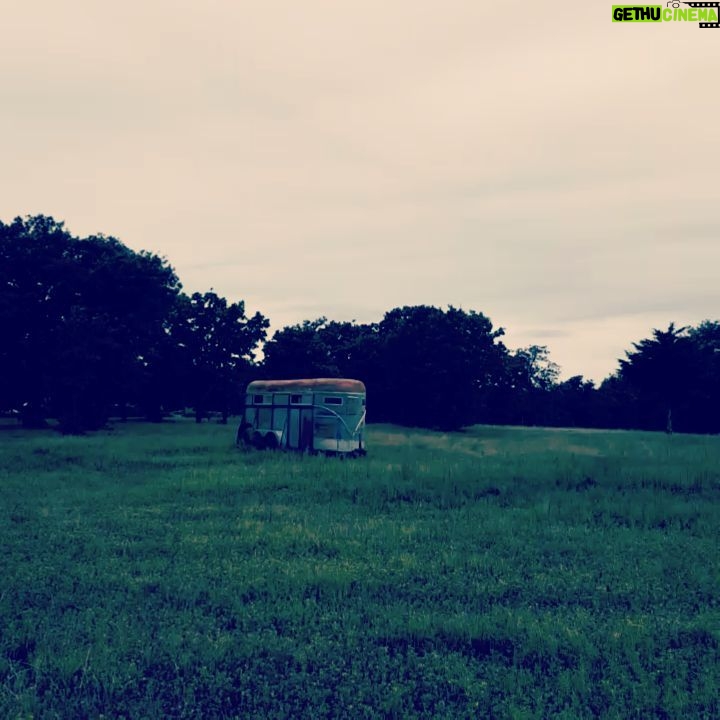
(32, 418)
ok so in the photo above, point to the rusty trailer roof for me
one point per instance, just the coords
(342, 385)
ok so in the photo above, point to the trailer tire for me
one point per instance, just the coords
(244, 434)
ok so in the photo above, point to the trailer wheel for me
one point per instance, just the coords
(244, 436)
(271, 441)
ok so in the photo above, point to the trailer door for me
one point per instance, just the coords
(293, 431)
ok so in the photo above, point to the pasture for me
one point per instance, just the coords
(156, 571)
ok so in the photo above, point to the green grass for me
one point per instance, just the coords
(155, 570)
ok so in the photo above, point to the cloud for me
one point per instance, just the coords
(540, 164)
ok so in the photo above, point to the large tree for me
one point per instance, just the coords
(215, 344)
(423, 365)
(33, 294)
(298, 351)
(437, 368)
(573, 403)
(76, 316)
(660, 372)
(706, 396)
(319, 348)
(523, 397)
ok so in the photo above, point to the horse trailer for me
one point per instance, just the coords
(315, 415)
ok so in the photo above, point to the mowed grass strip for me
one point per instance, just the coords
(155, 570)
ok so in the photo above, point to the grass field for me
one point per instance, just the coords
(156, 571)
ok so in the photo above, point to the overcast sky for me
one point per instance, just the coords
(532, 161)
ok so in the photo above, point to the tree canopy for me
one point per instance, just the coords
(91, 328)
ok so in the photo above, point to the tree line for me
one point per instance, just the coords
(90, 329)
